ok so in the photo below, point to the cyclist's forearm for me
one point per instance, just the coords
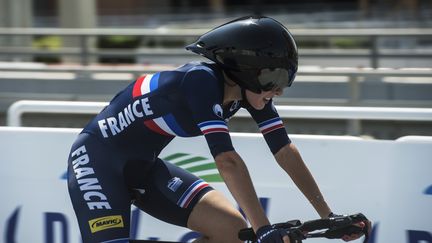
(290, 160)
(237, 178)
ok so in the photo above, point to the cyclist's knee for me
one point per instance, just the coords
(227, 231)
(216, 218)
(238, 223)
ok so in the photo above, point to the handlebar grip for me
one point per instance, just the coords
(332, 223)
(340, 232)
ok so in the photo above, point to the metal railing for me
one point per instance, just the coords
(355, 114)
(85, 51)
(353, 77)
(138, 70)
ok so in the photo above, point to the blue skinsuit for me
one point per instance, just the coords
(115, 158)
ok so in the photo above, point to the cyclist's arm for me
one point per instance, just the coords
(291, 161)
(236, 176)
(287, 155)
(202, 103)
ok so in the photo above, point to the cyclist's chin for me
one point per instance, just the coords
(258, 105)
(258, 101)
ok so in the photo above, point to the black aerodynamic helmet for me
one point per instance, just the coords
(256, 52)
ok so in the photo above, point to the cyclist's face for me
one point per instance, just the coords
(258, 101)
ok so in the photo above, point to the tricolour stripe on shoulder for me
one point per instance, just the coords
(145, 84)
(145, 87)
(137, 87)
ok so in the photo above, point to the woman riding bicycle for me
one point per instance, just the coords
(114, 161)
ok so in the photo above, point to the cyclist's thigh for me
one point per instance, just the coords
(170, 193)
(99, 195)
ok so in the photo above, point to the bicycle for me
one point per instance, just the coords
(330, 228)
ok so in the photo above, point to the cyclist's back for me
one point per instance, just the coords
(144, 117)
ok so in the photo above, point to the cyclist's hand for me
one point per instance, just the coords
(268, 234)
(360, 225)
(356, 236)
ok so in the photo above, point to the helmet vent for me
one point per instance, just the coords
(200, 44)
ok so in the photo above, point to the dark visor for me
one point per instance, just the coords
(277, 78)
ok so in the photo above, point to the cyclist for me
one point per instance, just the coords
(114, 161)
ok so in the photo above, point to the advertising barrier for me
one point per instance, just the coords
(389, 181)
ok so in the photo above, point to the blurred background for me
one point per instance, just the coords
(352, 53)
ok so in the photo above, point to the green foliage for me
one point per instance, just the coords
(119, 42)
(47, 42)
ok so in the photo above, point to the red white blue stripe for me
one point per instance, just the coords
(165, 125)
(145, 84)
(191, 192)
(213, 126)
(159, 125)
(270, 125)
